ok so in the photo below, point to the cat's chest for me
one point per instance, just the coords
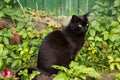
(75, 45)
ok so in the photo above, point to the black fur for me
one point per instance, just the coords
(60, 47)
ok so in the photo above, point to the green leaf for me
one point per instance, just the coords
(91, 38)
(16, 63)
(61, 76)
(7, 1)
(1, 48)
(34, 73)
(116, 3)
(112, 66)
(73, 64)
(119, 18)
(110, 59)
(117, 59)
(5, 40)
(5, 52)
(23, 33)
(1, 62)
(114, 23)
(29, 29)
(113, 37)
(23, 72)
(20, 25)
(93, 73)
(60, 68)
(118, 66)
(106, 35)
(1, 14)
(9, 60)
(92, 32)
(31, 34)
(115, 31)
(98, 38)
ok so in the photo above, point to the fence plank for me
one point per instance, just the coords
(63, 7)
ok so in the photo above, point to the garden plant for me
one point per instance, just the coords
(22, 30)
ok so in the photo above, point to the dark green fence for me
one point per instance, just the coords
(62, 7)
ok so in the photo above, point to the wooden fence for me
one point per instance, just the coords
(62, 7)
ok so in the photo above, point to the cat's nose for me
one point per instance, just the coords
(84, 29)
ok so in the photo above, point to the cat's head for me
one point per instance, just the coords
(79, 24)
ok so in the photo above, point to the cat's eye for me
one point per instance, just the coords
(86, 24)
(80, 25)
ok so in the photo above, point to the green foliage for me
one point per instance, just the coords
(114, 63)
(118, 76)
(15, 56)
(101, 48)
(75, 72)
(25, 75)
(103, 38)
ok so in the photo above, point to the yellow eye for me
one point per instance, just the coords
(86, 24)
(80, 25)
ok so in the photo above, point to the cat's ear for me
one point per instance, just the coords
(74, 18)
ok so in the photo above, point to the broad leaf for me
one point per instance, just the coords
(92, 32)
(118, 66)
(61, 76)
(112, 66)
(5, 40)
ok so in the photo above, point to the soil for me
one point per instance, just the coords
(43, 77)
(104, 77)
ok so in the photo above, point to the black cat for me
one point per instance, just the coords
(60, 47)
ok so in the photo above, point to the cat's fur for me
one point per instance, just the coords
(60, 47)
